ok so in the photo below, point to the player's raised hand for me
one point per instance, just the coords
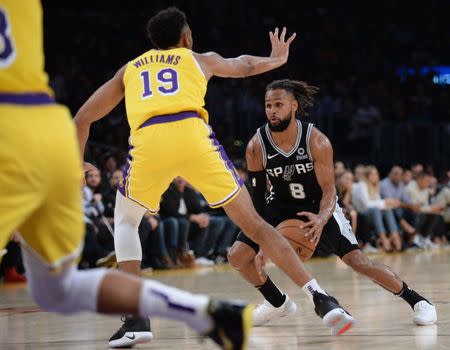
(280, 46)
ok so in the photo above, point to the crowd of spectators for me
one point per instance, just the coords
(409, 208)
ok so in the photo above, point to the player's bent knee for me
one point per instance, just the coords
(68, 292)
(239, 256)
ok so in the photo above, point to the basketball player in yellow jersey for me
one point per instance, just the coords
(164, 91)
(40, 177)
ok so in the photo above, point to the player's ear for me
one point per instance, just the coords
(294, 106)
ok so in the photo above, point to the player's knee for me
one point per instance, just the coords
(238, 258)
(234, 258)
(51, 291)
(68, 292)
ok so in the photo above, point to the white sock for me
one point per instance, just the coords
(312, 286)
(158, 299)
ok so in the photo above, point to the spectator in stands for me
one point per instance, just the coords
(109, 165)
(406, 177)
(443, 200)
(344, 185)
(429, 215)
(174, 214)
(339, 169)
(392, 187)
(367, 201)
(359, 172)
(416, 170)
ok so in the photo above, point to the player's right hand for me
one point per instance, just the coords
(87, 167)
(280, 47)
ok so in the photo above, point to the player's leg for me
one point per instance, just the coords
(425, 312)
(339, 238)
(140, 190)
(277, 248)
(277, 303)
(127, 245)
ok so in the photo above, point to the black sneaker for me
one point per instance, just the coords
(332, 314)
(232, 323)
(135, 330)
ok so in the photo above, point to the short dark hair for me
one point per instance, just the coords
(164, 29)
(303, 93)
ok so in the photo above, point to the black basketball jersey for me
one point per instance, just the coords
(291, 174)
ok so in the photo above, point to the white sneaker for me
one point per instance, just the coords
(266, 312)
(202, 261)
(430, 244)
(425, 313)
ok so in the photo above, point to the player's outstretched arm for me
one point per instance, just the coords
(247, 65)
(99, 105)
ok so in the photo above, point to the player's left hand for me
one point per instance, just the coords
(313, 227)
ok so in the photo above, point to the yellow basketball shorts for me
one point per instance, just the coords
(177, 145)
(40, 180)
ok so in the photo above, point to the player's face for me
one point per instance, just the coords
(280, 109)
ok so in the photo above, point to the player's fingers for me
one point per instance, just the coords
(271, 36)
(306, 225)
(283, 34)
(312, 235)
(291, 38)
(275, 33)
(305, 213)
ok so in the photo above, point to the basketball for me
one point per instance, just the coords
(291, 230)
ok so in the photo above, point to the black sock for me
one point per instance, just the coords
(410, 295)
(271, 293)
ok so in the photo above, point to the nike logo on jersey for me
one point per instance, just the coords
(131, 338)
(269, 156)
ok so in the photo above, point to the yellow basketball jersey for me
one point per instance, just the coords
(21, 48)
(161, 82)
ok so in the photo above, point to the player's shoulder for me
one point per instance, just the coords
(318, 138)
(254, 144)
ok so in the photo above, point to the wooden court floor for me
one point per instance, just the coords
(384, 322)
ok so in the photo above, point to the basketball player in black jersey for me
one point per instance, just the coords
(297, 160)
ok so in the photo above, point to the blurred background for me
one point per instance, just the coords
(383, 69)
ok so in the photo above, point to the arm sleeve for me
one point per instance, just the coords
(258, 183)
